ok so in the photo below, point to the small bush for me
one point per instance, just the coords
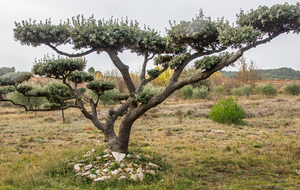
(247, 90)
(186, 92)
(179, 114)
(200, 92)
(292, 89)
(237, 92)
(227, 111)
(219, 90)
(268, 90)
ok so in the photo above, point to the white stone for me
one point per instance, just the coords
(97, 171)
(133, 177)
(88, 167)
(122, 165)
(116, 172)
(129, 156)
(77, 167)
(92, 176)
(122, 177)
(78, 174)
(150, 171)
(139, 170)
(106, 170)
(87, 155)
(93, 150)
(106, 156)
(98, 158)
(118, 156)
(140, 176)
(137, 176)
(106, 177)
(102, 178)
(153, 165)
(86, 173)
(137, 156)
(128, 170)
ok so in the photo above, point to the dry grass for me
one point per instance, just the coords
(264, 153)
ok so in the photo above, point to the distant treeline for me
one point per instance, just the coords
(270, 74)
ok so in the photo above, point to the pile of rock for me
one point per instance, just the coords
(100, 168)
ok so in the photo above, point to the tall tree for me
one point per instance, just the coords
(186, 42)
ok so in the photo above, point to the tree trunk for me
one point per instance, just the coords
(124, 135)
(63, 116)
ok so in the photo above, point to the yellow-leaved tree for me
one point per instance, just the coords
(163, 79)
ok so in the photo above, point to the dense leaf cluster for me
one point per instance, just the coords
(147, 93)
(119, 97)
(200, 33)
(56, 91)
(273, 19)
(35, 34)
(80, 77)
(57, 68)
(208, 62)
(5, 70)
(100, 86)
(14, 78)
(5, 90)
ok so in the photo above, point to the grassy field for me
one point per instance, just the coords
(263, 153)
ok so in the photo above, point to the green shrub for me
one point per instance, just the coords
(292, 89)
(237, 92)
(247, 90)
(227, 111)
(186, 92)
(219, 90)
(148, 92)
(268, 90)
(200, 92)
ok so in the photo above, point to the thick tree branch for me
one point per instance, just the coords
(179, 70)
(124, 69)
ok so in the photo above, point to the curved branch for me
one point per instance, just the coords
(72, 55)
(52, 109)
(179, 70)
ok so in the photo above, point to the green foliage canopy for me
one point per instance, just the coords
(58, 68)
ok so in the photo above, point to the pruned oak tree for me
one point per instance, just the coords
(195, 41)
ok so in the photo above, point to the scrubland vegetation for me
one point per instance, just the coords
(197, 153)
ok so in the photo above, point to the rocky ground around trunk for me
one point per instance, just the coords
(100, 166)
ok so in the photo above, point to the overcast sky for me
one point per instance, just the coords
(283, 51)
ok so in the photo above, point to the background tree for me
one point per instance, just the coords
(91, 70)
(292, 89)
(268, 90)
(248, 72)
(163, 79)
(5, 70)
(199, 41)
